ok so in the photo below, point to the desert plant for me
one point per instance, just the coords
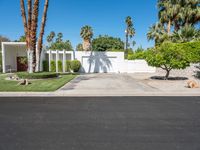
(75, 65)
(53, 66)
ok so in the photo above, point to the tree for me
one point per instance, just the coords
(170, 56)
(130, 31)
(50, 37)
(86, 34)
(30, 22)
(186, 34)
(59, 43)
(3, 39)
(157, 33)
(59, 37)
(21, 39)
(107, 43)
(79, 47)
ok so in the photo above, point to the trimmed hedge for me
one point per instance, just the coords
(68, 66)
(39, 75)
(75, 65)
(53, 66)
(60, 66)
(45, 64)
(137, 55)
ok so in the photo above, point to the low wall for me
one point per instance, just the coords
(110, 62)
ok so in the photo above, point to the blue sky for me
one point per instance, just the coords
(68, 16)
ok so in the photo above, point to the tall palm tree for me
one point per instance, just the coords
(86, 34)
(30, 29)
(130, 31)
(157, 33)
(41, 35)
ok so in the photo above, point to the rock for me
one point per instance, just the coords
(192, 84)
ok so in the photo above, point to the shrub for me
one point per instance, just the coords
(137, 55)
(60, 66)
(75, 65)
(45, 64)
(39, 75)
(68, 66)
(53, 66)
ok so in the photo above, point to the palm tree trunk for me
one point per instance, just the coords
(169, 27)
(40, 40)
(34, 34)
(86, 44)
(126, 47)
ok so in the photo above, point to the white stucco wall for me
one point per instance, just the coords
(110, 62)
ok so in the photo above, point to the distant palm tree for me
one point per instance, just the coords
(130, 31)
(50, 37)
(86, 34)
(59, 37)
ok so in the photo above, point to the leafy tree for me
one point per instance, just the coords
(107, 43)
(87, 35)
(79, 47)
(21, 39)
(169, 56)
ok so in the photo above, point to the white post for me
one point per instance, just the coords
(57, 58)
(3, 58)
(50, 60)
(64, 60)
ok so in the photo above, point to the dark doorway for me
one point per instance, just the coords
(22, 64)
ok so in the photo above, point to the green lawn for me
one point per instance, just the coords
(45, 85)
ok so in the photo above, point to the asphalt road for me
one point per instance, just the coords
(123, 123)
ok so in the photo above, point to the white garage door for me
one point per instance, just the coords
(99, 64)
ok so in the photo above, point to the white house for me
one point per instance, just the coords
(92, 62)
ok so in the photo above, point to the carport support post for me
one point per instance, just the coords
(64, 60)
(50, 55)
(57, 55)
(3, 58)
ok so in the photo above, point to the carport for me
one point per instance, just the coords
(11, 52)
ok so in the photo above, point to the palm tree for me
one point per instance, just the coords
(130, 31)
(50, 37)
(59, 37)
(30, 29)
(186, 34)
(86, 34)
(157, 33)
(40, 39)
(168, 13)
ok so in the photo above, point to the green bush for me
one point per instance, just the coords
(53, 66)
(45, 64)
(39, 75)
(75, 65)
(60, 66)
(68, 66)
(137, 55)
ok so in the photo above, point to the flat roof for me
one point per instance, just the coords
(13, 43)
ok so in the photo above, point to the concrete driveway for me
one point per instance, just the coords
(125, 85)
(106, 84)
